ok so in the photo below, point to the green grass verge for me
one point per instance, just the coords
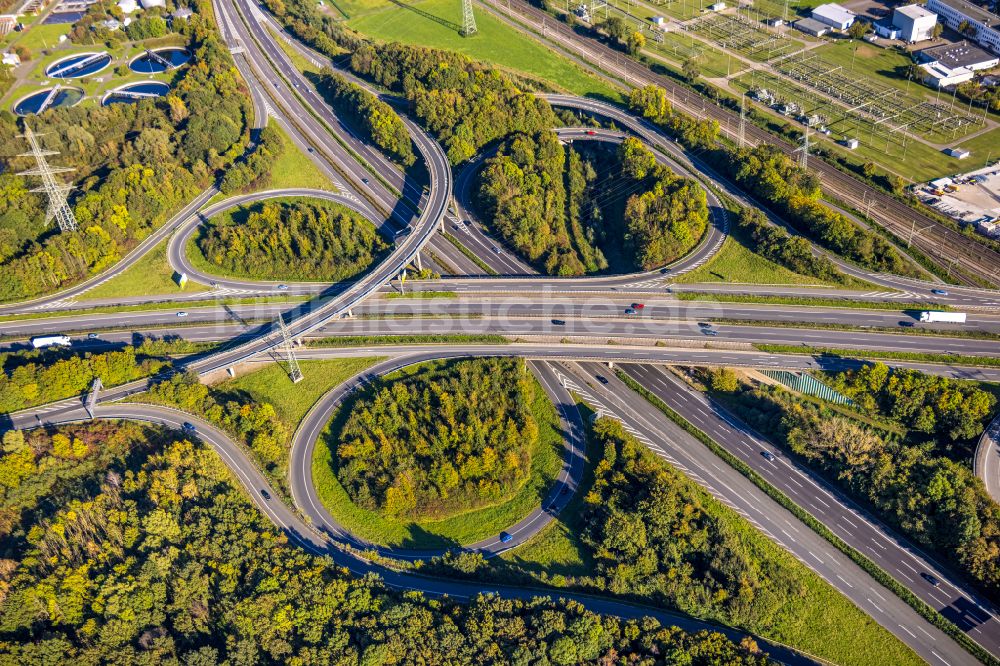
(920, 357)
(292, 401)
(374, 340)
(870, 567)
(151, 275)
(546, 461)
(735, 262)
(293, 168)
(845, 302)
(483, 266)
(435, 23)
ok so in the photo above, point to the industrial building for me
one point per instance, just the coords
(834, 16)
(915, 23)
(811, 27)
(7, 23)
(952, 64)
(956, 12)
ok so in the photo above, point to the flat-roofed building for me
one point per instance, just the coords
(915, 23)
(811, 27)
(984, 26)
(951, 64)
(834, 16)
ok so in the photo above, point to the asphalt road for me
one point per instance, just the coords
(307, 435)
(853, 524)
(987, 459)
(668, 441)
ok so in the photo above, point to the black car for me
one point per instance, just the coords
(906, 324)
(266, 495)
(704, 324)
(930, 579)
(364, 180)
(189, 427)
(558, 322)
(601, 378)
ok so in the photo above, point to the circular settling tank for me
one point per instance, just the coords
(159, 60)
(78, 66)
(49, 98)
(136, 92)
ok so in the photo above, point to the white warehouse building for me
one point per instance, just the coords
(915, 23)
(834, 16)
(985, 24)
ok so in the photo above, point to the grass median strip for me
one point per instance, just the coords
(870, 567)
(470, 255)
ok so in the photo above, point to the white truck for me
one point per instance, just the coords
(943, 317)
(50, 341)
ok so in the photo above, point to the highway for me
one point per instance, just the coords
(564, 321)
(848, 520)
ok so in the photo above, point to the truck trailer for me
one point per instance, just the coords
(944, 317)
(50, 341)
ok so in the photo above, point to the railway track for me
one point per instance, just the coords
(949, 248)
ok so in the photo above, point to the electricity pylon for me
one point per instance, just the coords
(54, 190)
(804, 155)
(294, 373)
(468, 19)
(743, 120)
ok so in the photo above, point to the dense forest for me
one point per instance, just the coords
(134, 165)
(913, 483)
(35, 377)
(572, 209)
(292, 239)
(441, 440)
(376, 119)
(122, 545)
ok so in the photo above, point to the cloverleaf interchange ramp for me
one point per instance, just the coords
(284, 99)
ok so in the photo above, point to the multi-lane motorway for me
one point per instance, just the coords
(562, 325)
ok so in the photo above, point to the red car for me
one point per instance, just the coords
(638, 306)
(591, 133)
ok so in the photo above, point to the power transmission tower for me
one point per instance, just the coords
(468, 19)
(294, 373)
(804, 155)
(55, 191)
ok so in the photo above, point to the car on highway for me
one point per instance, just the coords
(266, 495)
(467, 223)
(558, 322)
(638, 306)
(704, 324)
(364, 180)
(495, 249)
(187, 426)
(709, 332)
(939, 292)
(907, 324)
(664, 271)
(768, 456)
(506, 538)
(311, 149)
(92, 336)
(601, 378)
(282, 287)
(930, 579)
(182, 314)
(591, 133)
(631, 311)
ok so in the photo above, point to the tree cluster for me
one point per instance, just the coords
(376, 119)
(657, 536)
(773, 177)
(254, 172)
(548, 202)
(293, 240)
(441, 440)
(651, 102)
(463, 103)
(37, 377)
(147, 552)
(793, 252)
(936, 501)
(255, 423)
(134, 165)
